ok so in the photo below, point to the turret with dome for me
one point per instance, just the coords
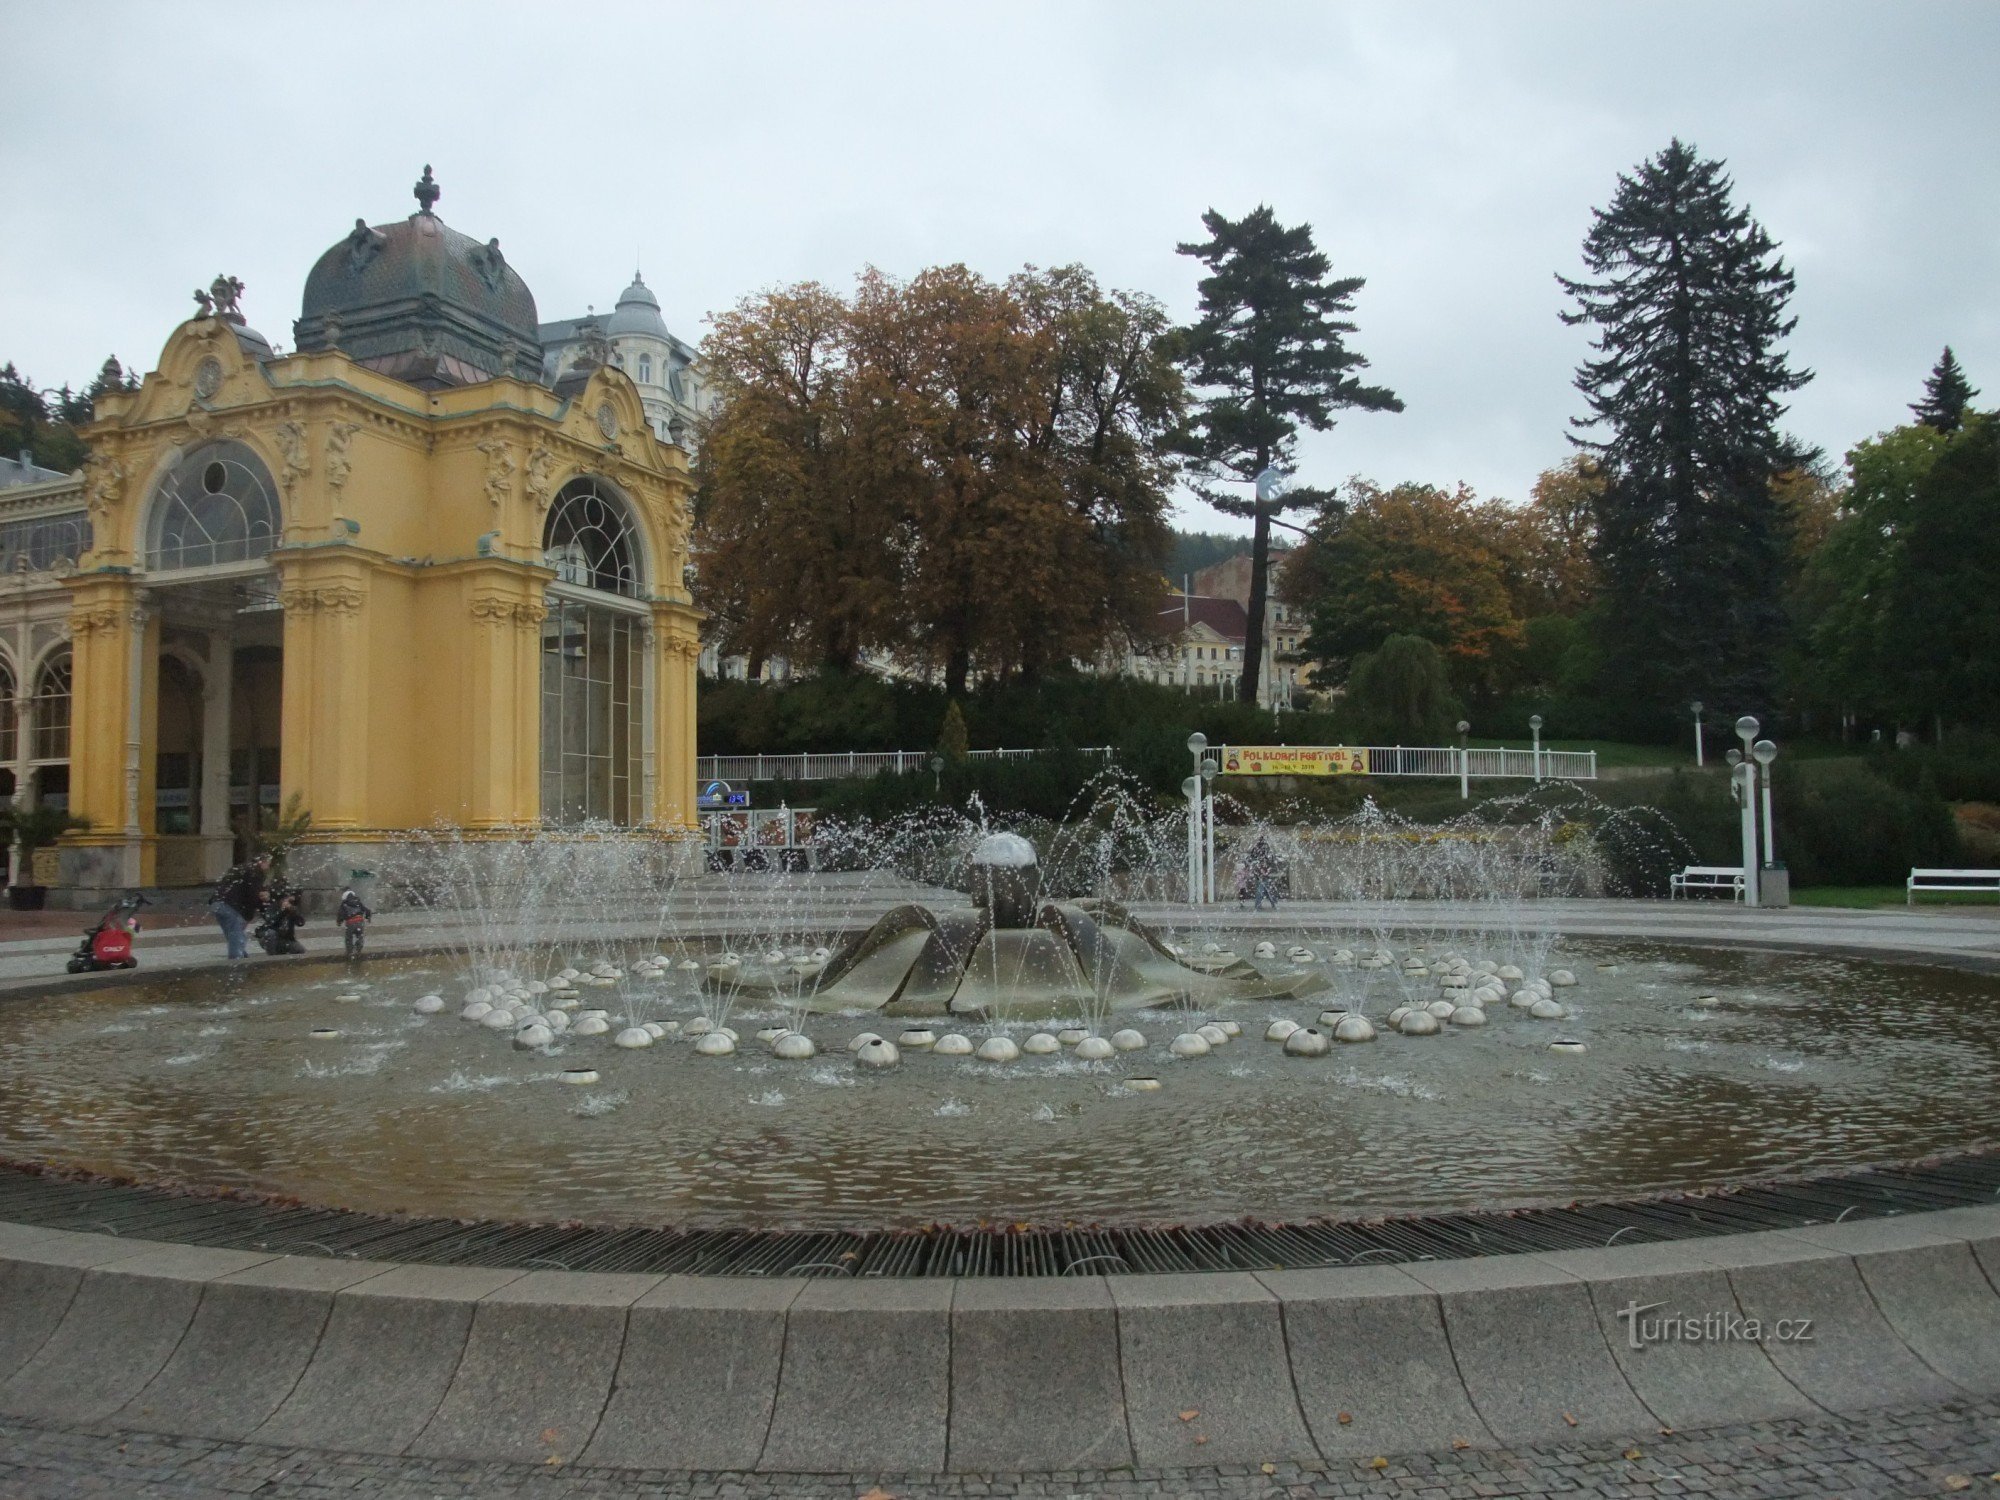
(633, 338)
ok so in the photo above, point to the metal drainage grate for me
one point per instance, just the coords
(143, 1213)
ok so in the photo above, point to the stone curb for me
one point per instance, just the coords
(1030, 1375)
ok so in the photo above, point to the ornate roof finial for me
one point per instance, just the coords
(427, 190)
(224, 292)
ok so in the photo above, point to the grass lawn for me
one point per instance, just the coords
(1888, 895)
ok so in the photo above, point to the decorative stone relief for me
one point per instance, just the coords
(104, 483)
(497, 610)
(100, 621)
(500, 468)
(338, 465)
(207, 378)
(295, 449)
(541, 478)
(331, 599)
(607, 420)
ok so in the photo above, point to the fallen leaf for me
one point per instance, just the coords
(1666, 1432)
(554, 1460)
(1378, 1463)
(1569, 1419)
(1459, 1445)
(1346, 1417)
(878, 1493)
(548, 1434)
(1270, 1468)
(1632, 1454)
(1958, 1481)
(1190, 1414)
(1200, 1438)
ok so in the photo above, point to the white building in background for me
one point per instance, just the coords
(668, 370)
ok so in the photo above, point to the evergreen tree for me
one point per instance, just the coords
(1946, 395)
(1688, 304)
(1268, 350)
(1942, 613)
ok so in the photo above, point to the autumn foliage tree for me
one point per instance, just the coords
(968, 476)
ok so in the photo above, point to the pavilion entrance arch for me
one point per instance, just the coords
(180, 675)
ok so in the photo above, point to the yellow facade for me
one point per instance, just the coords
(407, 594)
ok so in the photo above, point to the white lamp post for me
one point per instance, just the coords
(1697, 735)
(1764, 752)
(1746, 731)
(1196, 743)
(1464, 763)
(1535, 728)
(1209, 770)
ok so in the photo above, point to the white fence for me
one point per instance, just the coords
(1382, 760)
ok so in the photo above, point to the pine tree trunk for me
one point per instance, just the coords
(1253, 635)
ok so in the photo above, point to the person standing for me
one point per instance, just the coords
(239, 896)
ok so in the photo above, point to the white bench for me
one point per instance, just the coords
(1708, 878)
(1949, 880)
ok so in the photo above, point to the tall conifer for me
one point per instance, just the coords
(1687, 295)
(1947, 393)
(1268, 355)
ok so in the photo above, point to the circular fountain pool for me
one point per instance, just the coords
(1801, 1064)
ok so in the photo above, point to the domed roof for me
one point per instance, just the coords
(418, 300)
(638, 311)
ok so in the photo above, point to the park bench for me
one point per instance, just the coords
(1708, 878)
(1949, 880)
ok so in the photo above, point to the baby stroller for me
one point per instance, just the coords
(108, 945)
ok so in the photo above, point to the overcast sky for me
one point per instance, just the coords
(1449, 153)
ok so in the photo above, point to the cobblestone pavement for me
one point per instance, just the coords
(1940, 1450)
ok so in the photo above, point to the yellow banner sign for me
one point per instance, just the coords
(1293, 760)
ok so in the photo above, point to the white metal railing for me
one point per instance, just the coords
(843, 765)
(1451, 761)
(1382, 760)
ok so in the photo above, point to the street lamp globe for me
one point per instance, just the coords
(1746, 728)
(1764, 751)
(1197, 742)
(1464, 727)
(1210, 769)
(1696, 705)
(1191, 786)
(1534, 721)
(1735, 758)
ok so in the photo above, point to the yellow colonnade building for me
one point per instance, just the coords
(389, 580)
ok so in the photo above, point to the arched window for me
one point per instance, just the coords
(218, 505)
(593, 661)
(9, 715)
(51, 737)
(590, 541)
(645, 369)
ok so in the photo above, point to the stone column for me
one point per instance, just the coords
(504, 687)
(324, 733)
(114, 663)
(676, 653)
(217, 707)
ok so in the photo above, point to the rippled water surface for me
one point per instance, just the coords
(1806, 1064)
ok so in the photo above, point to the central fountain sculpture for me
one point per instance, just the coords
(1011, 953)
